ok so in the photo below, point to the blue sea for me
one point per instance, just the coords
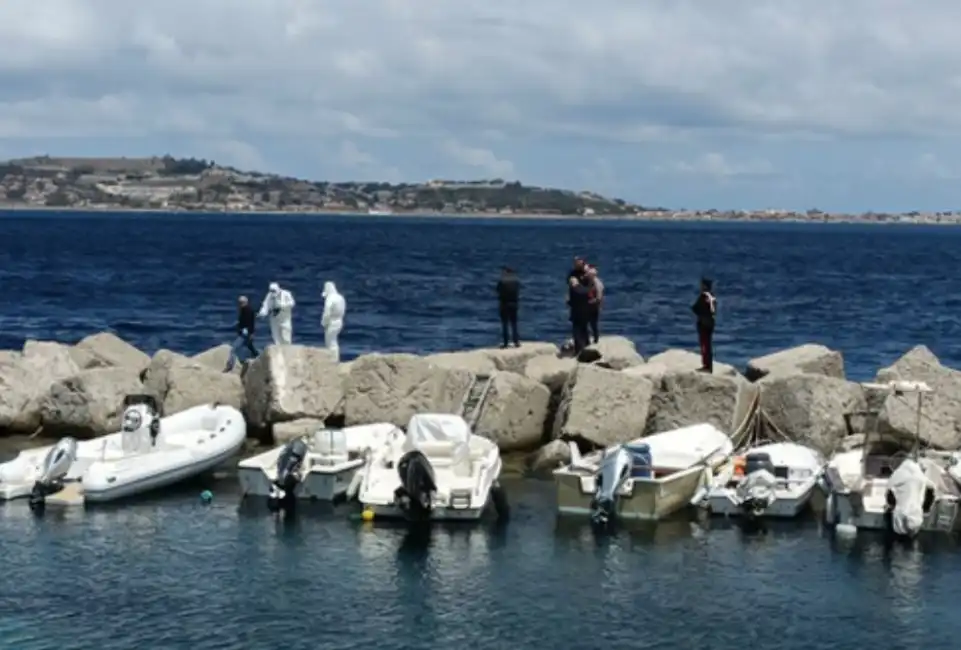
(171, 572)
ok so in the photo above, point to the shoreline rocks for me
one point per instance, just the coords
(536, 400)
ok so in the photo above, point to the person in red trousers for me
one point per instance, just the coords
(705, 309)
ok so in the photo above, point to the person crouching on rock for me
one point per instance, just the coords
(595, 300)
(508, 298)
(246, 318)
(705, 309)
(579, 300)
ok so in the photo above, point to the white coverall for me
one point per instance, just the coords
(333, 319)
(279, 306)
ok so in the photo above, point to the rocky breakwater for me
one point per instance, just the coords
(528, 399)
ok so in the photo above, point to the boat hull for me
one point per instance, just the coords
(849, 508)
(320, 484)
(788, 504)
(639, 499)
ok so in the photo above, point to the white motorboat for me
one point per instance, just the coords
(772, 480)
(148, 453)
(438, 470)
(648, 478)
(319, 466)
(884, 486)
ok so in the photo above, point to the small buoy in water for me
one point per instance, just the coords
(206, 496)
(367, 515)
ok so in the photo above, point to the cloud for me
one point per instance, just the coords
(529, 89)
(716, 166)
(483, 160)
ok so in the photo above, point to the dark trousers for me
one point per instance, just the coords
(705, 337)
(509, 322)
(242, 341)
(592, 323)
(581, 336)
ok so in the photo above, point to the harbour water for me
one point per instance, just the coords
(171, 572)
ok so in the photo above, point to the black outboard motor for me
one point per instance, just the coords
(415, 496)
(289, 467)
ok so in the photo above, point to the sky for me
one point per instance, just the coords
(841, 106)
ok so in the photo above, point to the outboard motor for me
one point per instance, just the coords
(290, 465)
(615, 470)
(756, 489)
(910, 496)
(54, 469)
(415, 496)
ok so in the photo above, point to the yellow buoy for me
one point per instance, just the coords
(367, 515)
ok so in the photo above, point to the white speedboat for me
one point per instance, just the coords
(148, 453)
(318, 466)
(437, 470)
(886, 486)
(648, 478)
(773, 480)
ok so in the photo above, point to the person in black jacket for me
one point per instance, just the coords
(246, 319)
(508, 298)
(579, 297)
(705, 309)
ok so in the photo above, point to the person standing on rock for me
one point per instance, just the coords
(246, 320)
(579, 302)
(705, 309)
(595, 301)
(335, 307)
(278, 306)
(508, 299)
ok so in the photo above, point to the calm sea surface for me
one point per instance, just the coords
(173, 573)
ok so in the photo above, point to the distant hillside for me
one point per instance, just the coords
(168, 183)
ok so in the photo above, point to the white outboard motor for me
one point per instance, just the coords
(615, 470)
(909, 497)
(52, 472)
(140, 426)
(756, 490)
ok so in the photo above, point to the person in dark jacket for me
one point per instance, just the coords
(508, 298)
(580, 306)
(705, 310)
(246, 319)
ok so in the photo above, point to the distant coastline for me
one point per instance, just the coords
(166, 184)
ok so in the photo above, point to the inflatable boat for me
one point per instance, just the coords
(149, 452)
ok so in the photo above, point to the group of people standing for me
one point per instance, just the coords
(585, 300)
(278, 309)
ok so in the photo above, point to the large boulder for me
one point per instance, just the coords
(155, 375)
(90, 403)
(810, 358)
(809, 408)
(192, 384)
(106, 350)
(551, 371)
(603, 407)
(289, 382)
(477, 362)
(284, 432)
(614, 352)
(548, 458)
(393, 387)
(26, 377)
(515, 411)
(941, 414)
(686, 398)
(216, 358)
(515, 359)
(677, 361)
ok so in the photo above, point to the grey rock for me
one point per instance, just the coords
(687, 398)
(603, 406)
(616, 352)
(810, 358)
(90, 403)
(105, 350)
(515, 412)
(548, 458)
(290, 382)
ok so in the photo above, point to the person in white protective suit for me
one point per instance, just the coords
(278, 307)
(333, 319)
